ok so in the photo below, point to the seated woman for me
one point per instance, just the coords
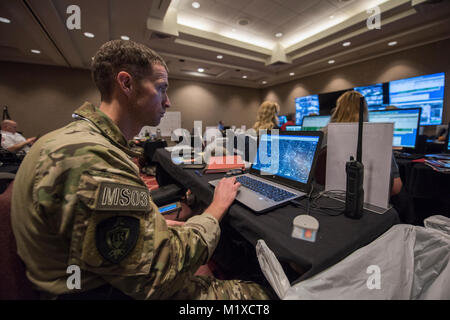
(267, 116)
(347, 110)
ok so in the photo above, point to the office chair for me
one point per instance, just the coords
(13, 282)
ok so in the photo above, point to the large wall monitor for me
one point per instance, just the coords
(374, 96)
(425, 92)
(305, 106)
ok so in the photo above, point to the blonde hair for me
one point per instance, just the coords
(266, 117)
(347, 108)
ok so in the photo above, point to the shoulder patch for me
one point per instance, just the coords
(116, 237)
(117, 196)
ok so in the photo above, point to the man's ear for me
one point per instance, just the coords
(125, 82)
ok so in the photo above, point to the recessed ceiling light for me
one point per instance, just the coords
(264, 82)
(195, 4)
(89, 35)
(392, 43)
(331, 61)
(200, 70)
(125, 37)
(220, 56)
(346, 44)
(331, 17)
(244, 77)
(4, 20)
(35, 51)
(292, 74)
(278, 35)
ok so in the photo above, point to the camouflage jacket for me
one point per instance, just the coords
(78, 200)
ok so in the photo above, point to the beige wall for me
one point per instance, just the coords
(418, 61)
(211, 103)
(42, 98)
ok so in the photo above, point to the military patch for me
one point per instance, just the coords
(116, 237)
(117, 196)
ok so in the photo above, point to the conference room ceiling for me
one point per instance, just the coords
(310, 36)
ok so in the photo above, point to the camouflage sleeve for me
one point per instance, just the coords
(113, 228)
(160, 259)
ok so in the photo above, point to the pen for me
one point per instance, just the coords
(198, 173)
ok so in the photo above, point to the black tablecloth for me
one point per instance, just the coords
(338, 236)
(421, 181)
(425, 192)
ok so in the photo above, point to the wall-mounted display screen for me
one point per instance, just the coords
(305, 106)
(425, 92)
(374, 96)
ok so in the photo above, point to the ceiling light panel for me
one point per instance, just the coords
(260, 8)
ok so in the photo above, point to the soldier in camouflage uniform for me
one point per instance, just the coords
(78, 199)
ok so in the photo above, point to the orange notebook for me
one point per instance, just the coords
(223, 164)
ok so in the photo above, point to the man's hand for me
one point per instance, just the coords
(224, 196)
(30, 141)
(21, 145)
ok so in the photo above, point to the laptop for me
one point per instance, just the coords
(293, 128)
(282, 171)
(314, 123)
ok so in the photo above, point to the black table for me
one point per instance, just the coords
(338, 236)
(425, 191)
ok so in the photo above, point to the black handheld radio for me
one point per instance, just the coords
(354, 196)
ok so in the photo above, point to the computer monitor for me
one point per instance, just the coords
(293, 128)
(374, 96)
(425, 92)
(315, 123)
(296, 155)
(328, 101)
(305, 106)
(282, 120)
(406, 124)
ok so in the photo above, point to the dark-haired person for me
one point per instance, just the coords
(78, 199)
(290, 121)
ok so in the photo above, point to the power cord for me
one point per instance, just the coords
(314, 202)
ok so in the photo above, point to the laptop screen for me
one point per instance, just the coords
(314, 123)
(406, 124)
(288, 155)
(293, 128)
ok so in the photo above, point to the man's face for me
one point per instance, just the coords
(11, 127)
(151, 96)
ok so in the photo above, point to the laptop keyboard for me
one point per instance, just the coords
(267, 190)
